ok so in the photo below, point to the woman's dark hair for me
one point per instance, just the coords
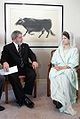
(65, 33)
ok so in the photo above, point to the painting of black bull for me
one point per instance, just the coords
(36, 25)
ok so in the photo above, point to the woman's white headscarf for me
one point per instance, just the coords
(72, 40)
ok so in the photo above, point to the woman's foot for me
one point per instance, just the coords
(2, 108)
(57, 103)
(70, 111)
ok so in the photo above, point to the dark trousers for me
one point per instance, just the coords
(1, 84)
(16, 84)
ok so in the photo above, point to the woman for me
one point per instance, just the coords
(63, 76)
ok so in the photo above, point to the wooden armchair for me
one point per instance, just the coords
(22, 78)
(48, 80)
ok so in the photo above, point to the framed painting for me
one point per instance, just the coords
(40, 24)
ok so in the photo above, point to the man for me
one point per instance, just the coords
(1, 89)
(19, 53)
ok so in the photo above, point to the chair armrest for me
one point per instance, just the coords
(78, 71)
(49, 66)
(77, 68)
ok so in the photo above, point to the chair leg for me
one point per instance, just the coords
(77, 95)
(48, 87)
(6, 91)
(22, 78)
(35, 87)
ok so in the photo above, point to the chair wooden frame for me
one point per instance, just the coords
(48, 80)
(22, 78)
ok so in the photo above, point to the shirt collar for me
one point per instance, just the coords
(16, 45)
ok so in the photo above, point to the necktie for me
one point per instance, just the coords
(19, 51)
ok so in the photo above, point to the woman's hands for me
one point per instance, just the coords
(58, 68)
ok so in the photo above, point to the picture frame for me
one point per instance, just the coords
(40, 24)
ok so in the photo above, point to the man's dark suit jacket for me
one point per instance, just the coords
(10, 55)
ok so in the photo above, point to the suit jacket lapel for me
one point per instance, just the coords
(14, 49)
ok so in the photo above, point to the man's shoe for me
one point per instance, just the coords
(20, 103)
(2, 108)
(28, 103)
(29, 100)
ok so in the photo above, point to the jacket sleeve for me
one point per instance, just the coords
(4, 55)
(31, 55)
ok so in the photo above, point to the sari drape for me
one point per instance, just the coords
(64, 83)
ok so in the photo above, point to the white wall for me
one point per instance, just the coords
(71, 23)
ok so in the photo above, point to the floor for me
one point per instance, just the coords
(44, 108)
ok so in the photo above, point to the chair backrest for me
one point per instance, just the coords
(50, 65)
(52, 52)
(48, 81)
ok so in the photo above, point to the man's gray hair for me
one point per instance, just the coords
(15, 34)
